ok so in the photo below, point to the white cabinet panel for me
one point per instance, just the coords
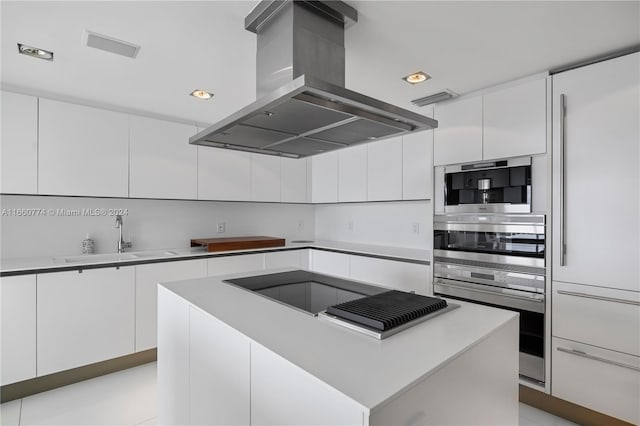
(324, 178)
(173, 358)
(219, 372)
(162, 164)
(289, 258)
(84, 317)
(458, 137)
(293, 182)
(283, 394)
(331, 263)
(18, 316)
(384, 170)
(417, 165)
(597, 378)
(19, 149)
(223, 174)
(398, 275)
(598, 316)
(82, 150)
(352, 174)
(601, 173)
(234, 264)
(514, 121)
(265, 177)
(147, 278)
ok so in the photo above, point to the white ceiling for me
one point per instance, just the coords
(464, 46)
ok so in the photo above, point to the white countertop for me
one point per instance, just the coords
(36, 264)
(367, 370)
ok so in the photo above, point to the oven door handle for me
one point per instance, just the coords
(501, 297)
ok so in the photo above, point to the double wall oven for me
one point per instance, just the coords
(484, 253)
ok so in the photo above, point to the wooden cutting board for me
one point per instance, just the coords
(237, 243)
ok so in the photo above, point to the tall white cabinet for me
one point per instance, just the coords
(82, 150)
(19, 148)
(596, 237)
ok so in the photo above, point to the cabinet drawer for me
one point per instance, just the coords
(596, 378)
(598, 316)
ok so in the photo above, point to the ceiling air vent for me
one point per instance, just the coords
(436, 97)
(110, 44)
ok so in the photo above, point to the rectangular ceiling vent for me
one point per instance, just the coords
(436, 97)
(110, 44)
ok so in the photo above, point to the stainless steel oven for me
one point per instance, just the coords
(497, 260)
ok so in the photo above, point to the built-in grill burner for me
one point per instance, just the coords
(385, 314)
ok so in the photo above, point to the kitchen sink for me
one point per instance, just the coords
(160, 253)
(113, 257)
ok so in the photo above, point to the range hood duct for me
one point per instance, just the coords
(302, 106)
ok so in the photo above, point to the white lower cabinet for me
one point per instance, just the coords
(18, 321)
(235, 264)
(147, 278)
(84, 317)
(288, 258)
(219, 372)
(276, 383)
(331, 263)
(398, 275)
(600, 379)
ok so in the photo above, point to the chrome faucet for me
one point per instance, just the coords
(122, 244)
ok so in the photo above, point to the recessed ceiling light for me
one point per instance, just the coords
(417, 77)
(201, 94)
(36, 52)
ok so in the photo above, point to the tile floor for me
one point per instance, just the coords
(128, 398)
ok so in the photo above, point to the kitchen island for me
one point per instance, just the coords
(229, 356)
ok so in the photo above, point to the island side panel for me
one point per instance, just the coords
(479, 387)
(219, 372)
(173, 358)
(284, 394)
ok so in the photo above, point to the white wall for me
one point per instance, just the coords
(152, 224)
(386, 223)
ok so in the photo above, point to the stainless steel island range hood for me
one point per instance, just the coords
(302, 106)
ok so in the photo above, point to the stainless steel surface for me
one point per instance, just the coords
(516, 299)
(489, 227)
(303, 108)
(122, 244)
(511, 162)
(484, 184)
(492, 277)
(384, 334)
(489, 208)
(563, 246)
(603, 298)
(490, 258)
(504, 219)
(597, 358)
(532, 367)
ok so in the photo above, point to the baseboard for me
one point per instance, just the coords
(63, 378)
(565, 409)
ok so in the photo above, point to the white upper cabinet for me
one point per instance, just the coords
(19, 149)
(417, 165)
(458, 137)
(82, 150)
(507, 122)
(293, 180)
(162, 163)
(265, 177)
(223, 174)
(324, 178)
(352, 174)
(601, 174)
(514, 121)
(384, 170)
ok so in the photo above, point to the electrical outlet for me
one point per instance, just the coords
(350, 225)
(415, 227)
(221, 227)
(300, 225)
